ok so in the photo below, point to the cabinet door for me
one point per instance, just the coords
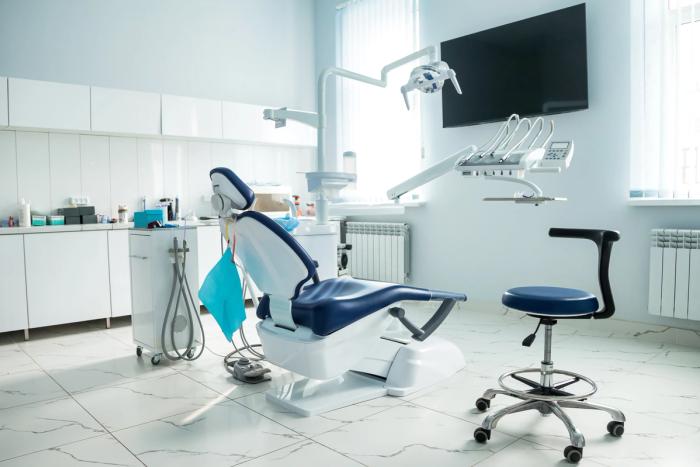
(120, 111)
(208, 249)
(43, 104)
(119, 275)
(187, 116)
(13, 305)
(3, 101)
(67, 277)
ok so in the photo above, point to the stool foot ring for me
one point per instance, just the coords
(546, 393)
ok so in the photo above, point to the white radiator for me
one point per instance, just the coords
(380, 251)
(674, 273)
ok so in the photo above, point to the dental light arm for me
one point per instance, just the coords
(326, 181)
(280, 116)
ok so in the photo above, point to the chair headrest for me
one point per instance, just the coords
(227, 184)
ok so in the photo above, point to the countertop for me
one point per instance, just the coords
(89, 227)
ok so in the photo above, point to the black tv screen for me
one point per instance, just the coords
(536, 66)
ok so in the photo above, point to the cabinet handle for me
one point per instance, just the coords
(138, 257)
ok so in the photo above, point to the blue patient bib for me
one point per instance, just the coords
(222, 294)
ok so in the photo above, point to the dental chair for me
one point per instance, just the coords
(343, 335)
(548, 305)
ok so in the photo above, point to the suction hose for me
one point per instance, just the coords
(181, 290)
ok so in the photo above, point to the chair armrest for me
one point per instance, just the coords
(422, 333)
(604, 240)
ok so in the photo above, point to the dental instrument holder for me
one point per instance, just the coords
(325, 181)
(499, 160)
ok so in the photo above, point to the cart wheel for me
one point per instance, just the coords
(139, 351)
(155, 360)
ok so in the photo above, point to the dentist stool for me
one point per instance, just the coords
(549, 304)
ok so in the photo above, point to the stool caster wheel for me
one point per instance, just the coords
(155, 360)
(139, 351)
(481, 435)
(190, 353)
(482, 405)
(616, 428)
(573, 454)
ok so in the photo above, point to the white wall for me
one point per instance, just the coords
(462, 243)
(258, 52)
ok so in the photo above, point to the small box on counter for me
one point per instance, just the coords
(68, 212)
(72, 220)
(89, 219)
(38, 220)
(56, 220)
(87, 211)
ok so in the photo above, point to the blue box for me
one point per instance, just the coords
(143, 218)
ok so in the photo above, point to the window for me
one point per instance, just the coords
(670, 151)
(373, 121)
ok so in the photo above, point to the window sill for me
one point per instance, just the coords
(656, 202)
(380, 209)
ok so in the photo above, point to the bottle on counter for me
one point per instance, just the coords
(123, 212)
(297, 205)
(10, 221)
(25, 214)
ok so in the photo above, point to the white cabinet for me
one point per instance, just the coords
(3, 101)
(43, 104)
(209, 251)
(120, 111)
(244, 122)
(13, 305)
(67, 277)
(191, 117)
(119, 275)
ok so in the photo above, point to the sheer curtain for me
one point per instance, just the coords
(669, 163)
(373, 121)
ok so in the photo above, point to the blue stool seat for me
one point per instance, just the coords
(333, 304)
(551, 301)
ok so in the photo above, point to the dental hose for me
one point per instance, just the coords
(181, 288)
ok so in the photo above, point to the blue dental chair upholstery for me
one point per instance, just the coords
(331, 305)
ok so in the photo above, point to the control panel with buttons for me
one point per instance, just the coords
(558, 154)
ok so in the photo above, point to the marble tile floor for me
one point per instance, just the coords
(78, 395)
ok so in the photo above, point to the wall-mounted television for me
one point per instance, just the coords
(536, 66)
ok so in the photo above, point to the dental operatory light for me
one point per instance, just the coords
(428, 79)
(327, 181)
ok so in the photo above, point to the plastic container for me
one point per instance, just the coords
(143, 218)
(57, 220)
(38, 220)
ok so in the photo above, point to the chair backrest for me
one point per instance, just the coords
(604, 240)
(227, 184)
(275, 261)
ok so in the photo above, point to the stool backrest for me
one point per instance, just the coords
(604, 240)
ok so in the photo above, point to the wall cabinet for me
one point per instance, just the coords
(67, 277)
(43, 104)
(119, 274)
(13, 305)
(3, 102)
(120, 111)
(190, 117)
